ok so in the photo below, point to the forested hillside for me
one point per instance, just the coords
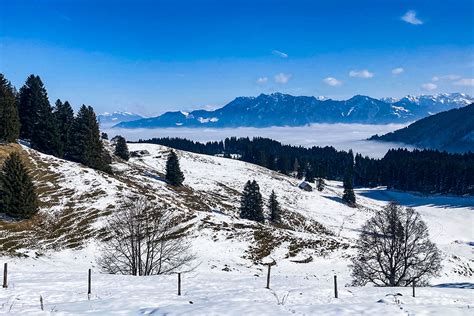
(452, 131)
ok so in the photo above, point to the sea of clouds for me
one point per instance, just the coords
(340, 136)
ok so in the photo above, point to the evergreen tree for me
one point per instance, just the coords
(321, 184)
(104, 136)
(85, 144)
(9, 119)
(64, 116)
(17, 193)
(251, 206)
(282, 164)
(173, 172)
(274, 207)
(296, 165)
(121, 148)
(36, 117)
(309, 175)
(349, 196)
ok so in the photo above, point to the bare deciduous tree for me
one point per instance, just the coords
(145, 240)
(394, 249)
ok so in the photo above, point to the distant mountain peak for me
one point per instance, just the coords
(109, 119)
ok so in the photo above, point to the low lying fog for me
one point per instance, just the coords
(340, 136)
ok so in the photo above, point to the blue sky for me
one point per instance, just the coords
(153, 56)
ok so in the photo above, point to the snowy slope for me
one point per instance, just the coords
(319, 230)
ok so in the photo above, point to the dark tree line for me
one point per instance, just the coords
(426, 171)
(29, 115)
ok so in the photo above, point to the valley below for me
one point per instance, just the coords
(339, 136)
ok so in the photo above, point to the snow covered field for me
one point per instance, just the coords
(227, 281)
(220, 293)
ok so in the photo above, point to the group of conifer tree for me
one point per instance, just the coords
(28, 115)
(251, 206)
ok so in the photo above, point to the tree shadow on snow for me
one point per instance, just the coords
(415, 200)
(335, 199)
(463, 285)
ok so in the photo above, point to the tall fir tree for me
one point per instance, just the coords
(36, 117)
(349, 195)
(85, 144)
(309, 175)
(17, 193)
(64, 116)
(174, 176)
(251, 206)
(9, 119)
(121, 148)
(274, 208)
(320, 184)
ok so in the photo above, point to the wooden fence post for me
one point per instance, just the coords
(413, 284)
(268, 276)
(5, 276)
(89, 279)
(179, 283)
(335, 286)
(41, 303)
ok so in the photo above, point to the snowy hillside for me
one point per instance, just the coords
(51, 255)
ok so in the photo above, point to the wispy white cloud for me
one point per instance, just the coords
(429, 86)
(365, 74)
(331, 81)
(262, 80)
(397, 71)
(469, 82)
(280, 54)
(282, 78)
(410, 17)
(450, 77)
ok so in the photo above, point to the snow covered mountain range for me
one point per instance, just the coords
(279, 109)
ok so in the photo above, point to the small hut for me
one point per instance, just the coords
(305, 186)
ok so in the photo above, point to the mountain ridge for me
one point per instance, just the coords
(452, 131)
(278, 109)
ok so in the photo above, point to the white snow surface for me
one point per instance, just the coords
(226, 281)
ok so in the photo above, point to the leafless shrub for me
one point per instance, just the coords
(394, 249)
(145, 240)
